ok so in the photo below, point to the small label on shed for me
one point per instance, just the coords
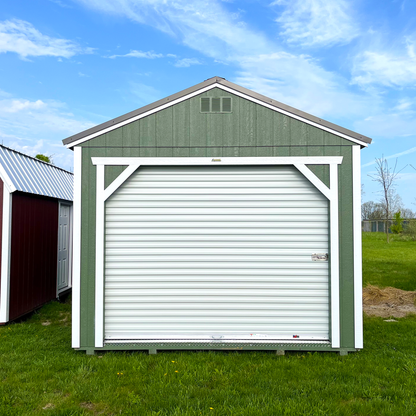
(320, 257)
(216, 160)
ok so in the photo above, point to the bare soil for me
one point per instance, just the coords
(388, 302)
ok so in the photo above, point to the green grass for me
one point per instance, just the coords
(389, 264)
(39, 369)
(40, 374)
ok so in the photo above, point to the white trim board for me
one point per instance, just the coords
(5, 256)
(202, 90)
(358, 272)
(187, 161)
(133, 163)
(76, 253)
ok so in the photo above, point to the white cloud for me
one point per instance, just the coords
(201, 24)
(38, 126)
(299, 80)
(187, 62)
(394, 67)
(396, 155)
(138, 54)
(317, 22)
(145, 94)
(15, 105)
(19, 36)
(263, 66)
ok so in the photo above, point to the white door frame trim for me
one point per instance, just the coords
(70, 248)
(102, 194)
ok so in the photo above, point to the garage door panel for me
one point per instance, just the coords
(216, 251)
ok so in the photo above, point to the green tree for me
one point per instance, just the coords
(44, 158)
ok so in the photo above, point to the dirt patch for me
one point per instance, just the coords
(87, 405)
(388, 302)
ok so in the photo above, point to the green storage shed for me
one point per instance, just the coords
(217, 218)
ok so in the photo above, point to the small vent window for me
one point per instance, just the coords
(205, 105)
(216, 105)
(226, 104)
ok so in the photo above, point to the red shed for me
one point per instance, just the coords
(36, 233)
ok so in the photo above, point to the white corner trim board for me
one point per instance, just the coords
(334, 258)
(133, 163)
(200, 91)
(5, 256)
(76, 256)
(358, 273)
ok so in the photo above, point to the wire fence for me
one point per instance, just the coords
(379, 226)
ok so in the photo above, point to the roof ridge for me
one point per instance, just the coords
(36, 159)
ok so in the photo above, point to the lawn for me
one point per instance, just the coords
(389, 264)
(41, 375)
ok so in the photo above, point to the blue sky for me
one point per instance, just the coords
(66, 65)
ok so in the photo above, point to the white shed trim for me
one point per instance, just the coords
(188, 161)
(5, 255)
(76, 257)
(358, 272)
(133, 162)
(119, 180)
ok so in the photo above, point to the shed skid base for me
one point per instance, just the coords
(279, 348)
(90, 351)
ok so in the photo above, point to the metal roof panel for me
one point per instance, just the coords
(34, 176)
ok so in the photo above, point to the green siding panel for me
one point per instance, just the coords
(183, 131)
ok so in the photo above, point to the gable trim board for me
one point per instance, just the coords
(134, 163)
(225, 85)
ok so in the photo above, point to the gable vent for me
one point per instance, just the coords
(216, 105)
(205, 105)
(226, 104)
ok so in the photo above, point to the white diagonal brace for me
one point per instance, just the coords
(120, 180)
(314, 179)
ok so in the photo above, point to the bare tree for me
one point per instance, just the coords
(385, 176)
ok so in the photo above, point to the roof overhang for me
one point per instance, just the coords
(215, 82)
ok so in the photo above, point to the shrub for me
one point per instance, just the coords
(397, 226)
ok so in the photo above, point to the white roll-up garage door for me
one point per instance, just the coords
(221, 252)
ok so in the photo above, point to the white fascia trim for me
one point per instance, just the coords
(202, 90)
(334, 257)
(288, 113)
(120, 180)
(182, 161)
(99, 259)
(358, 272)
(313, 179)
(76, 253)
(5, 256)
